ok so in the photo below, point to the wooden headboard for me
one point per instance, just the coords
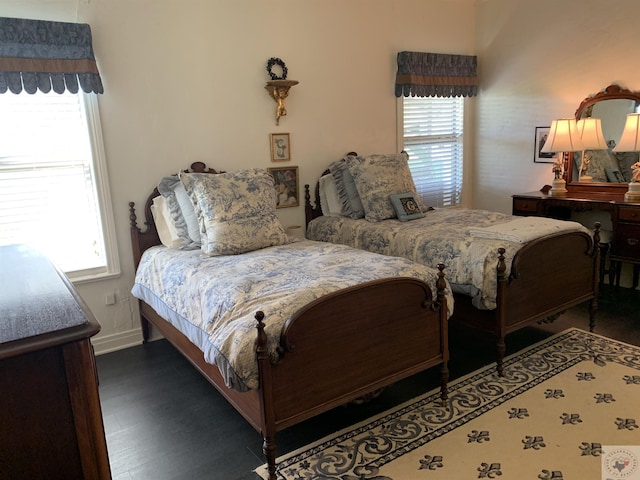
(141, 240)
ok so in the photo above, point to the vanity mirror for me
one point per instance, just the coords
(610, 171)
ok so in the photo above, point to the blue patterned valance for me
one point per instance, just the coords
(436, 75)
(45, 56)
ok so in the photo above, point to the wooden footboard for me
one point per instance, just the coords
(336, 349)
(547, 277)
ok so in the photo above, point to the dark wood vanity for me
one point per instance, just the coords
(625, 218)
(611, 105)
(50, 421)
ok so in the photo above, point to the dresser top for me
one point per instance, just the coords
(37, 299)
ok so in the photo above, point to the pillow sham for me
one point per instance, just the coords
(330, 202)
(406, 206)
(164, 223)
(182, 212)
(376, 178)
(351, 203)
(236, 211)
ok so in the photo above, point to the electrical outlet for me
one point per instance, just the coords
(110, 299)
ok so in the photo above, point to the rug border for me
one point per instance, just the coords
(435, 392)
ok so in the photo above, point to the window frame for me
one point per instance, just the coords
(103, 193)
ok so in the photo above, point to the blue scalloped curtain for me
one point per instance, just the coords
(42, 55)
(436, 75)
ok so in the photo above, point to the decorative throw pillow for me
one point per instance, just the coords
(406, 206)
(164, 223)
(376, 178)
(236, 211)
(182, 212)
(330, 202)
(351, 203)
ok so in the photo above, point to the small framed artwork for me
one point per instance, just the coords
(287, 188)
(280, 147)
(541, 137)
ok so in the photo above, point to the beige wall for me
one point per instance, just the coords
(184, 81)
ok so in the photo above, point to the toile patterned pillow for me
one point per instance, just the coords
(377, 177)
(236, 211)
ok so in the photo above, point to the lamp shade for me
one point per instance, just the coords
(590, 131)
(630, 139)
(563, 137)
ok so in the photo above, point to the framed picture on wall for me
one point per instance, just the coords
(541, 136)
(280, 147)
(287, 188)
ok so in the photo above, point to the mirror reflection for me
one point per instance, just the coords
(605, 166)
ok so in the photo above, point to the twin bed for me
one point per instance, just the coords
(284, 328)
(506, 272)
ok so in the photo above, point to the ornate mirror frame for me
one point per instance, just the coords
(612, 92)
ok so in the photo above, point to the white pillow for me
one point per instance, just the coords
(330, 202)
(164, 223)
(236, 211)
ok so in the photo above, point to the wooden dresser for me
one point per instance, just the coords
(50, 416)
(625, 218)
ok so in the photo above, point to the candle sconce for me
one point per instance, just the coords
(278, 87)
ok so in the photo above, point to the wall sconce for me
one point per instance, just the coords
(278, 87)
(590, 131)
(563, 137)
(630, 142)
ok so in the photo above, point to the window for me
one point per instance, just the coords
(53, 185)
(432, 130)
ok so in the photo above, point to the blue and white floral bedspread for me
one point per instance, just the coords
(213, 300)
(445, 236)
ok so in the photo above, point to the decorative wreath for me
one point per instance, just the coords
(276, 61)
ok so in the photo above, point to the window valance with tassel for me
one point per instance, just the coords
(43, 55)
(436, 75)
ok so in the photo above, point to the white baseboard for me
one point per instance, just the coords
(117, 341)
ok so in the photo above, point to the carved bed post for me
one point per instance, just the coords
(137, 254)
(500, 311)
(308, 209)
(266, 392)
(441, 303)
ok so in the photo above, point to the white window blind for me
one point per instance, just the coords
(49, 186)
(432, 136)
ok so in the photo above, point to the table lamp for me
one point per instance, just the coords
(563, 137)
(590, 131)
(630, 142)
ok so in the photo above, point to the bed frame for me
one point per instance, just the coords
(547, 277)
(330, 351)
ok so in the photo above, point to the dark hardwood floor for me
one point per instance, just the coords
(164, 421)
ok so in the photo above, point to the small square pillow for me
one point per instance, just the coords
(236, 211)
(351, 204)
(182, 212)
(406, 206)
(376, 178)
(164, 223)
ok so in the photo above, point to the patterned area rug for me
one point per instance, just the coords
(560, 406)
